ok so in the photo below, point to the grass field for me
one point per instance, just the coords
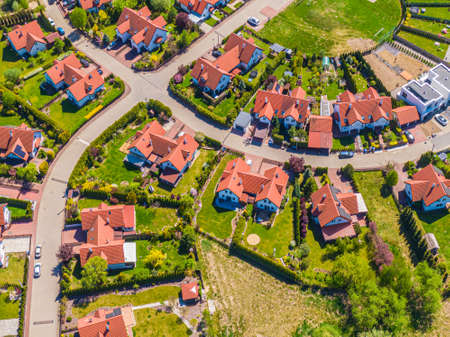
(425, 43)
(15, 271)
(8, 309)
(210, 218)
(437, 12)
(157, 294)
(268, 306)
(153, 323)
(32, 92)
(14, 120)
(314, 26)
(154, 219)
(428, 26)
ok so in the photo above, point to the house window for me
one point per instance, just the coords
(404, 94)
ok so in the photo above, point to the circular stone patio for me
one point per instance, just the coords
(253, 239)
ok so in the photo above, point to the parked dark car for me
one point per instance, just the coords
(84, 63)
(216, 53)
(346, 154)
(410, 137)
(441, 120)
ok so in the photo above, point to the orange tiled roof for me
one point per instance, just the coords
(429, 185)
(239, 180)
(116, 216)
(320, 132)
(282, 105)
(207, 73)
(26, 36)
(407, 114)
(66, 69)
(239, 49)
(88, 4)
(198, 6)
(189, 291)
(366, 107)
(182, 153)
(139, 25)
(116, 322)
(85, 85)
(2, 217)
(11, 137)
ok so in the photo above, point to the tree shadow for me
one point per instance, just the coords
(431, 216)
(385, 191)
(68, 107)
(9, 55)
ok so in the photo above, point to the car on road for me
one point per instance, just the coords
(37, 270)
(253, 21)
(346, 154)
(410, 137)
(61, 31)
(441, 119)
(37, 253)
(52, 22)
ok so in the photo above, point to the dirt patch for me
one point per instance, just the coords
(268, 307)
(429, 128)
(389, 78)
(253, 239)
(360, 43)
(125, 146)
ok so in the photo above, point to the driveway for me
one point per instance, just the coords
(8, 327)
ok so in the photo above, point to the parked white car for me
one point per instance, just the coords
(37, 270)
(37, 253)
(253, 21)
(52, 22)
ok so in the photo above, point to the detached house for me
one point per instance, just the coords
(406, 115)
(355, 112)
(291, 107)
(239, 186)
(429, 187)
(335, 212)
(200, 9)
(320, 133)
(104, 227)
(116, 322)
(27, 40)
(93, 5)
(143, 33)
(429, 93)
(81, 87)
(153, 148)
(240, 56)
(19, 144)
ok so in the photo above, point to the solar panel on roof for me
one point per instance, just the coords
(114, 313)
(18, 150)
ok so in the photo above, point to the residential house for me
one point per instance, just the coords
(290, 106)
(239, 186)
(200, 9)
(336, 212)
(115, 322)
(189, 292)
(406, 115)
(81, 87)
(239, 57)
(430, 93)
(19, 144)
(143, 33)
(428, 187)
(28, 39)
(171, 156)
(104, 227)
(242, 122)
(93, 5)
(320, 132)
(355, 112)
(5, 221)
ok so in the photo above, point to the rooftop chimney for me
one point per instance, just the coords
(262, 187)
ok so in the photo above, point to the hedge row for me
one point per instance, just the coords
(428, 4)
(23, 301)
(297, 214)
(16, 202)
(82, 164)
(127, 284)
(429, 18)
(16, 18)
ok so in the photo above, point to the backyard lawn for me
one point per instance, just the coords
(15, 272)
(32, 92)
(154, 218)
(428, 26)
(156, 294)
(360, 81)
(279, 235)
(13, 120)
(212, 219)
(347, 143)
(8, 309)
(437, 12)
(153, 323)
(327, 25)
(425, 43)
(383, 210)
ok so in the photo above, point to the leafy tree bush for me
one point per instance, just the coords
(347, 171)
(160, 5)
(78, 17)
(43, 168)
(296, 164)
(182, 21)
(154, 259)
(425, 159)
(94, 272)
(12, 75)
(187, 240)
(391, 178)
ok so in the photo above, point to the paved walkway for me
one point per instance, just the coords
(8, 327)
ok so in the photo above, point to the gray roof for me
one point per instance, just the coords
(423, 92)
(443, 75)
(277, 48)
(243, 120)
(431, 241)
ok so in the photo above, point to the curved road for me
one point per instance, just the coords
(42, 305)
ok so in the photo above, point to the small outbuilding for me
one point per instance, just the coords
(432, 244)
(242, 121)
(189, 292)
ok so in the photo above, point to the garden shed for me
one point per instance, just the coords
(432, 244)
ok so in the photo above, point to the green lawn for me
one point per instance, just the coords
(16, 211)
(8, 310)
(153, 323)
(14, 120)
(157, 294)
(16, 268)
(211, 22)
(32, 92)
(425, 43)
(437, 222)
(279, 235)
(110, 31)
(211, 219)
(154, 219)
(314, 26)
(383, 210)
(437, 12)
(428, 26)
(188, 181)
(360, 81)
(70, 117)
(88, 203)
(347, 142)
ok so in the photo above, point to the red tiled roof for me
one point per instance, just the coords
(239, 48)
(26, 36)
(116, 216)
(338, 231)
(86, 85)
(88, 4)
(366, 107)
(406, 114)
(112, 252)
(189, 291)
(320, 132)
(12, 137)
(2, 216)
(282, 105)
(66, 69)
(116, 322)
(139, 25)
(198, 6)
(429, 185)
(207, 74)
(239, 180)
